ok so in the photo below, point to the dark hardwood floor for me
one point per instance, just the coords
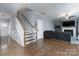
(47, 47)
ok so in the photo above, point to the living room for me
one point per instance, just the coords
(52, 27)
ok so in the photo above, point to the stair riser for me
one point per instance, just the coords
(28, 39)
(28, 35)
(26, 32)
(25, 28)
(30, 42)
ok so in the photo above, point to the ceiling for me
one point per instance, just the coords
(9, 9)
(54, 10)
(51, 10)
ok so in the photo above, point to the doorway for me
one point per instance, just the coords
(39, 29)
(4, 34)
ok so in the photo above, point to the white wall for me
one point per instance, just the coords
(20, 33)
(17, 32)
(47, 23)
(4, 27)
(13, 28)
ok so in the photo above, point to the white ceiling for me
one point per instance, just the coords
(52, 10)
(9, 9)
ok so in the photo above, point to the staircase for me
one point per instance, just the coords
(28, 37)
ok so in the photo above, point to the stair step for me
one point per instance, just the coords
(28, 33)
(30, 42)
(26, 29)
(28, 37)
(24, 23)
(24, 26)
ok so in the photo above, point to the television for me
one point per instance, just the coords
(68, 23)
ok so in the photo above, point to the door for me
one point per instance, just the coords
(39, 29)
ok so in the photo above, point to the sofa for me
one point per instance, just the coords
(65, 36)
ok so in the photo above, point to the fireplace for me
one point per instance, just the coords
(70, 31)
